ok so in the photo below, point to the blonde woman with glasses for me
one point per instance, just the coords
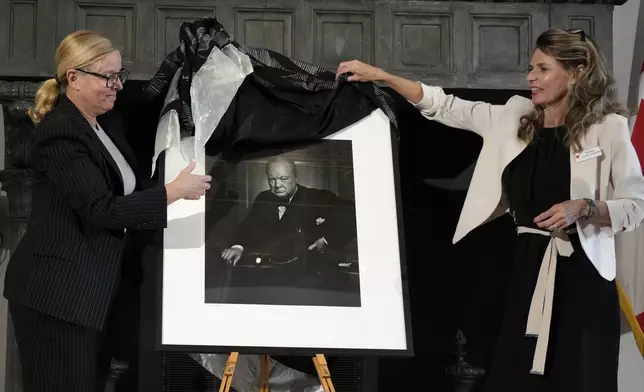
(65, 278)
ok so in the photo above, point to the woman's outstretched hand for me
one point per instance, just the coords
(360, 72)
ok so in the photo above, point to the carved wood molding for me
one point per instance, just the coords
(587, 2)
(16, 97)
(17, 90)
(609, 2)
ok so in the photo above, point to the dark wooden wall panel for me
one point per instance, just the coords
(27, 42)
(596, 20)
(266, 28)
(453, 44)
(22, 39)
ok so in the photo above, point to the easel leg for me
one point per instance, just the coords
(264, 373)
(323, 372)
(227, 380)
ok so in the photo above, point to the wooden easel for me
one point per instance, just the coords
(264, 369)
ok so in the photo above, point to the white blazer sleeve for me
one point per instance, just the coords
(626, 209)
(478, 117)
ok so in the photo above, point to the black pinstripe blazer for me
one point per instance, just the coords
(68, 262)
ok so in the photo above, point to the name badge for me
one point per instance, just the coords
(591, 153)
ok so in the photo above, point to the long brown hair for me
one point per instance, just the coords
(79, 49)
(589, 99)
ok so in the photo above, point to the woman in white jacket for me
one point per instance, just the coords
(563, 165)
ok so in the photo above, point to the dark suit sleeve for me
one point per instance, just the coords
(247, 233)
(339, 227)
(65, 159)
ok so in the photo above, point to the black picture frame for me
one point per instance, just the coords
(407, 351)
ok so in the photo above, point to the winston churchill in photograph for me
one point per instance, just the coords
(281, 230)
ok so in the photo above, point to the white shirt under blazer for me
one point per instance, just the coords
(614, 177)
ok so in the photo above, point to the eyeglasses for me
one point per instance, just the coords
(110, 79)
(579, 32)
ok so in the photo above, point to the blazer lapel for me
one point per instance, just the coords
(584, 175)
(488, 201)
(75, 114)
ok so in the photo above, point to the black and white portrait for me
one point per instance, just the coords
(281, 229)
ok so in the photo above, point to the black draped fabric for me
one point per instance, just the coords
(281, 101)
(584, 334)
(285, 116)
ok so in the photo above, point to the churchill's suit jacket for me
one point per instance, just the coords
(310, 215)
(69, 260)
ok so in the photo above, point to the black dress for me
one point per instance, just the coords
(583, 347)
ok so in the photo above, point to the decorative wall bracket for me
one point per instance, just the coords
(462, 376)
(17, 178)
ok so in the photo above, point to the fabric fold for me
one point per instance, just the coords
(230, 97)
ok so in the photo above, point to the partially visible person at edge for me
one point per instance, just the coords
(563, 166)
(65, 274)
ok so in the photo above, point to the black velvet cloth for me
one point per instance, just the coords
(282, 101)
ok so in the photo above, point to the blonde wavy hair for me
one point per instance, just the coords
(589, 99)
(79, 49)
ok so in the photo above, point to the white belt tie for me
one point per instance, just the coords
(540, 313)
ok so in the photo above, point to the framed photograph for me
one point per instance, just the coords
(293, 251)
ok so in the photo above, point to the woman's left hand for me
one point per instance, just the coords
(561, 215)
